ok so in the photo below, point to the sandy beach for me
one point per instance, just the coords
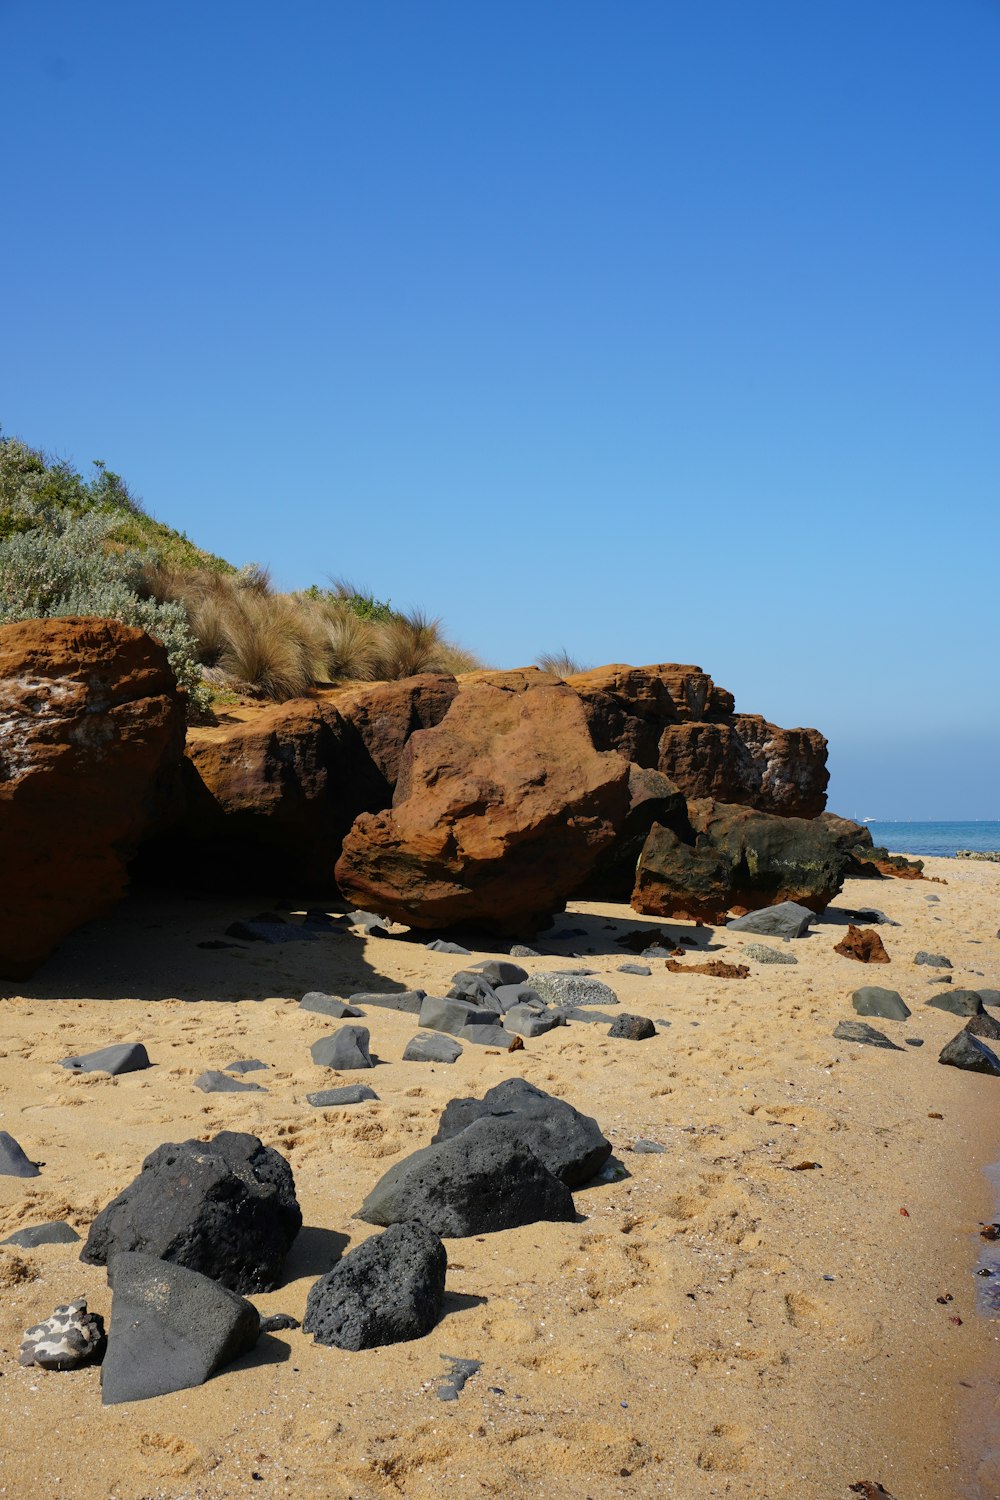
(716, 1322)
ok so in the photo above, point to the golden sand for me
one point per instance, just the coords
(715, 1324)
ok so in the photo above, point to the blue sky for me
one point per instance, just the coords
(658, 331)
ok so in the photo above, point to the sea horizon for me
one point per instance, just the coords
(941, 838)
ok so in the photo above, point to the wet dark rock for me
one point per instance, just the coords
(344, 1049)
(787, 920)
(224, 1207)
(433, 1047)
(632, 1028)
(570, 1144)
(485, 1180)
(872, 1000)
(213, 1082)
(970, 1053)
(351, 1093)
(857, 1031)
(13, 1162)
(387, 1291)
(56, 1232)
(329, 1005)
(127, 1057)
(171, 1328)
(958, 1002)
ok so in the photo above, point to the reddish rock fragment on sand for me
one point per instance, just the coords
(91, 737)
(715, 968)
(499, 813)
(864, 944)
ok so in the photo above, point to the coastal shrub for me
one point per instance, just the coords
(65, 570)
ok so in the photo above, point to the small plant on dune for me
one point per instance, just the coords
(559, 663)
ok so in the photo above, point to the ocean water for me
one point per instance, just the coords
(935, 838)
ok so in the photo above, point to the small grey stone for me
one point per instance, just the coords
(127, 1057)
(409, 1001)
(866, 916)
(13, 1162)
(482, 1035)
(432, 1046)
(245, 1065)
(632, 1028)
(583, 1013)
(57, 1232)
(369, 922)
(958, 1002)
(933, 960)
(351, 1093)
(857, 1031)
(441, 945)
(872, 1000)
(459, 1372)
(646, 1147)
(517, 994)
(984, 1025)
(329, 1005)
(344, 1049)
(213, 1082)
(760, 953)
(474, 989)
(278, 1323)
(642, 969)
(497, 972)
(571, 989)
(787, 919)
(990, 997)
(969, 1052)
(521, 950)
(657, 950)
(526, 1020)
(270, 932)
(440, 1014)
(932, 899)
(914, 1041)
(171, 1328)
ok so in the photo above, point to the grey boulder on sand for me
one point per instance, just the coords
(934, 960)
(788, 920)
(225, 1207)
(531, 1020)
(213, 1082)
(872, 1000)
(55, 1232)
(440, 1014)
(859, 1031)
(387, 1291)
(13, 1162)
(569, 1143)
(351, 1093)
(484, 1180)
(70, 1338)
(497, 971)
(171, 1329)
(128, 1057)
(481, 1034)
(969, 1052)
(958, 1002)
(409, 1001)
(344, 1050)
(328, 1005)
(571, 989)
(432, 1046)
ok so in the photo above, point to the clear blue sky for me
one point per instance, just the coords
(661, 331)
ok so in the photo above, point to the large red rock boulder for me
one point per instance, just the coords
(499, 814)
(747, 760)
(736, 856)
(270, 800)
(91, 736)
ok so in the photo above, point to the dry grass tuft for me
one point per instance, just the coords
(560, 663)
